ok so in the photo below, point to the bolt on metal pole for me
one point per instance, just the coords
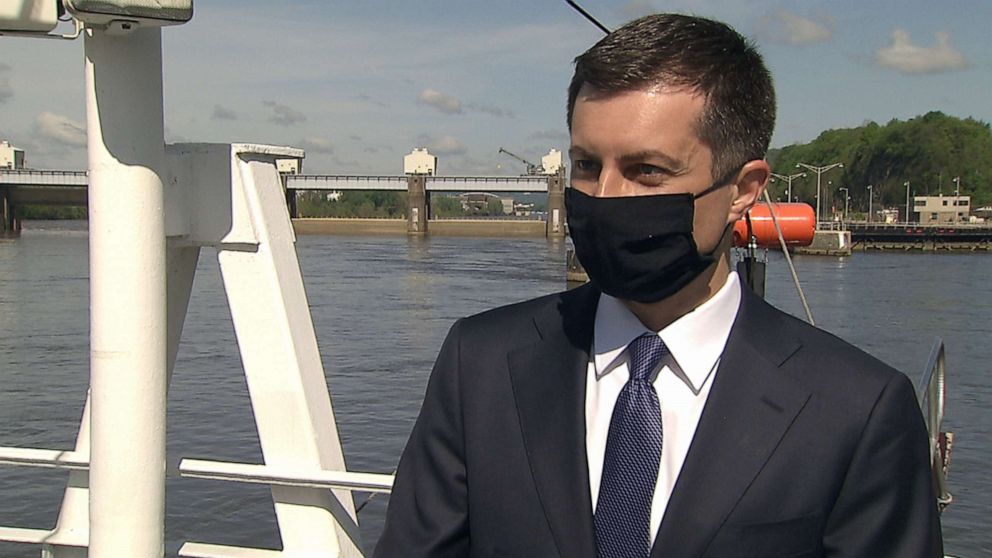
(127, 293)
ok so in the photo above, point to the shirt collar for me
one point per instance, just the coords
(695, 340)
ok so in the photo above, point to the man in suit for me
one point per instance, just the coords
(662, 410)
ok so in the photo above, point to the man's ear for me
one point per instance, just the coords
(749, 185)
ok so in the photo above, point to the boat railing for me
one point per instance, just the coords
(931, 393)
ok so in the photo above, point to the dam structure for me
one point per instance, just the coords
(22, 187)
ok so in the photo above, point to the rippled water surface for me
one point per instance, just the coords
(381, 306)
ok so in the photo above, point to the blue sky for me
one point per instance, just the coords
(359, 84)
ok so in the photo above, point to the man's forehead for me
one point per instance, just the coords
(637, 124)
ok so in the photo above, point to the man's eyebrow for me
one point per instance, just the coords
(576, 152)
(673, 164)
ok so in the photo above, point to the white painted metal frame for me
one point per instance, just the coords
(233, 201)
(230, 197)
(128, 378)
(150, 213)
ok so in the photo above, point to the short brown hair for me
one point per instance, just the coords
(700, 54)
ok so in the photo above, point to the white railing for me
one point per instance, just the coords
(930, 392)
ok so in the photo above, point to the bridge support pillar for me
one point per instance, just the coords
(556, 205)
(6, 212)
(417, 207)
(290, 201)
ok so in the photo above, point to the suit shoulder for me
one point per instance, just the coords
(511, 317)
(823, 353)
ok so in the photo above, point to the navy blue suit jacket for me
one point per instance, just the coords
(807, 447)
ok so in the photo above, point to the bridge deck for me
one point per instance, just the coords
(32, 178)
(433, 183)
(42, 178)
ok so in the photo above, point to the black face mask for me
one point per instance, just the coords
(637, 247)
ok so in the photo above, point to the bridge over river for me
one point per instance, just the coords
(55, 187)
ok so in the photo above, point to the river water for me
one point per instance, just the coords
(381, 306)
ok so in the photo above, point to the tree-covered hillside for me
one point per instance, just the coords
(928, 151)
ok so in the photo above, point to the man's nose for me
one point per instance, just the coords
(611, 183)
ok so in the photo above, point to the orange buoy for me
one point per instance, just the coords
(796, 220)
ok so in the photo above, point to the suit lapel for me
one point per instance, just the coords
(750, 407)
(548, 379)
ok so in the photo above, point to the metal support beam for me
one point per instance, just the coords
(230, 197)
(265, 474)
(127, 293)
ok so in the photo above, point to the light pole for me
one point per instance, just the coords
(819, 171)
(957, 186)
(906, 184)
(847, 198)
(869, 203)
(788, 179)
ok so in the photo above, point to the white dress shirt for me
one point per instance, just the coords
(695, 342)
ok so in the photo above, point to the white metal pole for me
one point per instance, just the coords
(818, 173)
(907, 201)
(869, 203)
(127, 293)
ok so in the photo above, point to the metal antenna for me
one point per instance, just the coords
(588, 16)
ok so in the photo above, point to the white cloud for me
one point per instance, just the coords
(800, 30)
(6, 92)
(452, 105)
(60, 129)
(903, 56)
(223, 113)
(316, 145)
(787, 27)
(444, 103)
(284, 115)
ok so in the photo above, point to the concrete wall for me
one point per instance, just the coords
(350, 226)
(486, 227)
(453, 227)
(828, 243)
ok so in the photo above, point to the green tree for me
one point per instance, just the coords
(446, 206)
(928, 151)
(55, 212)
(494, 206)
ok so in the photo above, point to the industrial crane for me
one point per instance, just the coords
(532, 169)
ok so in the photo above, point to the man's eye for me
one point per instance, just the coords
(650, 169)
(585, 166)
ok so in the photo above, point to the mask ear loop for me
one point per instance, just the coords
(725, 181)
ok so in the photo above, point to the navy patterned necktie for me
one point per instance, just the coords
(633, 454)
